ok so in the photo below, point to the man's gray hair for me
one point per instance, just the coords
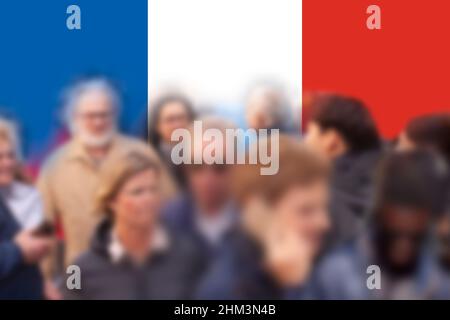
(279, 107)
(73, 94)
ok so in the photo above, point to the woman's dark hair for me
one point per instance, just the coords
(155, 112)
(349, 117)
(431, 131)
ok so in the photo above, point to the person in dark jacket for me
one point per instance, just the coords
(109, 273)
(181, 215)
(132, 255)
(283, 220)
(352, 186)
(205, 212)
(432, 132)
(342, 130)
(392, 259)
(20, 251)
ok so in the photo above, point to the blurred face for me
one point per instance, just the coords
(401, 235)
(258, 113)
(326, 143)
(305, 208)
(313, 137)
(94, 121)
(138, 201)
(7, 163)
(172, 116)
(209, 184)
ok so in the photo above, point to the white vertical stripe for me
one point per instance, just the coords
(215, 48)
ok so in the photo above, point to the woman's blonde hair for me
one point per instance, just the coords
(116, 173)
(8, 132)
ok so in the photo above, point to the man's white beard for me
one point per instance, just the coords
(95, 141)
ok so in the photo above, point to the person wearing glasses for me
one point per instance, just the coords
(70, 176)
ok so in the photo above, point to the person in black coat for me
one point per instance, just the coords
(20, 251)
(132, 254)
(344, 132)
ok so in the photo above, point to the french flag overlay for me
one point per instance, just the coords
(40, 57)
(212, 49)
(400, 71)
(235, 150)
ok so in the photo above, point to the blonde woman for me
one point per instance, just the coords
(20, 196)
(132, 255)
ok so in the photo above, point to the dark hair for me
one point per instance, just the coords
(431, 131)
(155, 111)
(349, 117)
(413, 179)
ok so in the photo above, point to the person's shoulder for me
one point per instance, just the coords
(129, 144)
(336, 275)
(343, 252)
(184, 259)
(338, 262)
(133, 144)
(127, 139)
(182, 246)
(219, 282)
(56, 158)
(175, 212)
(443, 290)
(437, 275)
(91, 263)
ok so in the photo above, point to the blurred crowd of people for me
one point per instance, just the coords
(140, 227)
